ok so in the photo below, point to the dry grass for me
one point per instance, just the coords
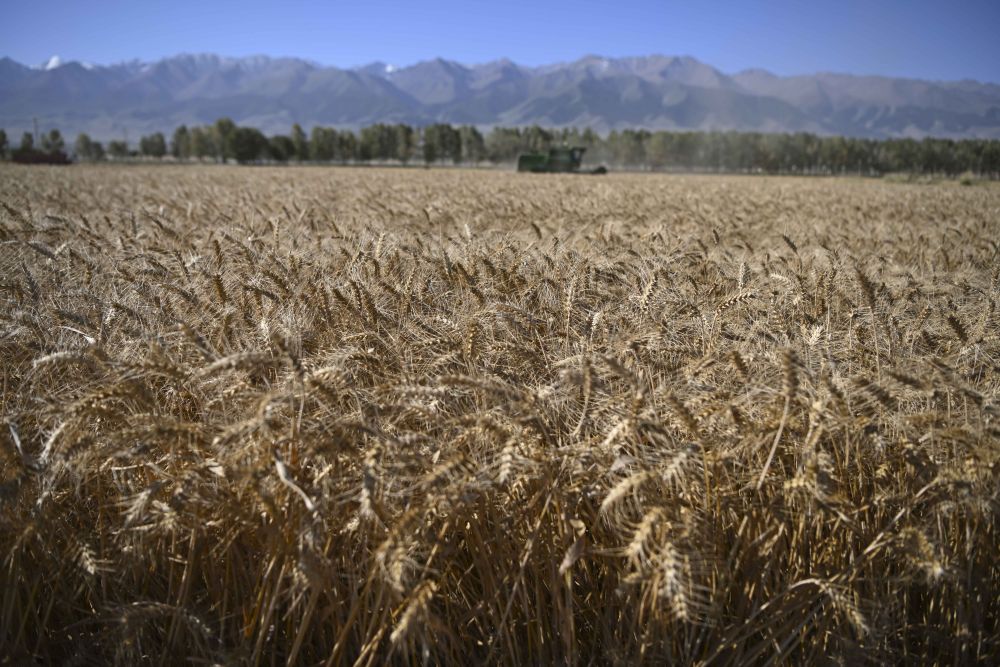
(316, 416)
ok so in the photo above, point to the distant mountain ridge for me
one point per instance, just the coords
(651, 92)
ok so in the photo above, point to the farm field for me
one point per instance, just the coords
(349, 416)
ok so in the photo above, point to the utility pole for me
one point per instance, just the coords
(35, 121)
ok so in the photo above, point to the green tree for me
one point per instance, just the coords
(451, 143)
(834, 151)
(472, 143)
(300, 142)
(203, 143)
(386, 142)
(322, 144)
(537, 139)
(430, 144)
(378, 142)
(247, 144)
(441, 141)
(368, 143)
(717, 151)
(118, 149)
(503, 144)
(3, 144)
(153, 145)
(628, 147)
(281, 148)
(658, 150)
(589, 138)
(27, 142)
(347, 146)
(404, 142)
(990, 159)
(224, 129)
(53, 142)
(180, 143)
(83, 147)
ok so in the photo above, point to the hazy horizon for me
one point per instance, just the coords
(925, 40)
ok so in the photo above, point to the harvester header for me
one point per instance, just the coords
(560, 160)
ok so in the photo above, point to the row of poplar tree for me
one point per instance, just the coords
(443, 143)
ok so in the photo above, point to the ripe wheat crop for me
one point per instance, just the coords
(322, 417)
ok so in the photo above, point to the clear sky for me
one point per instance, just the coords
(917, 38)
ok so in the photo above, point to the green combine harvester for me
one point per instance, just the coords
(560, 160)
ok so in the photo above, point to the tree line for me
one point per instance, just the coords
(442, 143)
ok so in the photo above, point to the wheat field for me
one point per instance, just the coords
(266, 416)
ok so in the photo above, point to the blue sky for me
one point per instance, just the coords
(923, 39)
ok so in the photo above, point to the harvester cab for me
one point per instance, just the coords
(560, 160)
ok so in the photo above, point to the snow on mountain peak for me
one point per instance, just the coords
(53, 62)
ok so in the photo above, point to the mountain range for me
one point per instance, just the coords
(652, 92)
